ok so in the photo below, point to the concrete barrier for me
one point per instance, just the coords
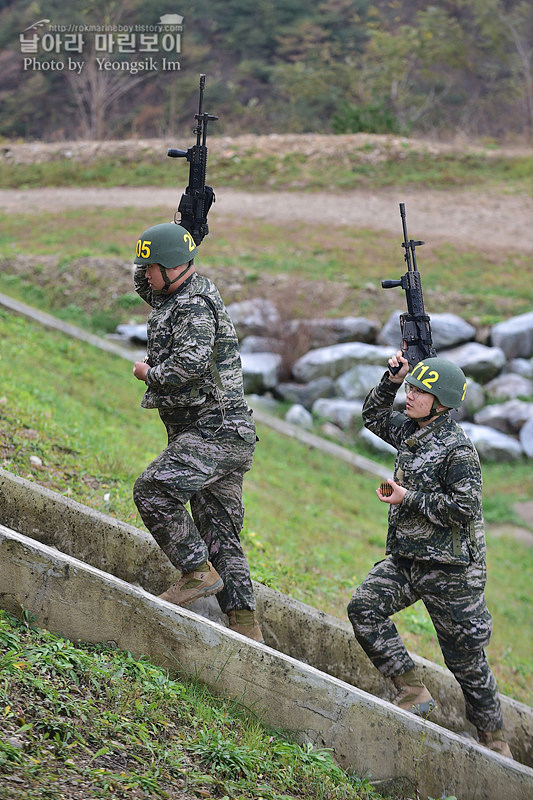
(293, 628)
(367, 734)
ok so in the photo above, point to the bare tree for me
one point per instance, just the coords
(96, 91)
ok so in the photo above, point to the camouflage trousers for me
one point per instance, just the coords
(454, 598)
(203, 464)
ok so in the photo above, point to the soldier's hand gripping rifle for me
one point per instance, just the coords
(415, 326)
(198, 198)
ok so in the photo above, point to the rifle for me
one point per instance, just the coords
(417, 342)
(198, 198)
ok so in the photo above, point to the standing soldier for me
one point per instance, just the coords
(435, 543)
(193, 377)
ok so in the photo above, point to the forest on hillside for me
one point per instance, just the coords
(129, 68)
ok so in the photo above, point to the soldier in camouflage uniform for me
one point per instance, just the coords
(193, 378)
(435, 544)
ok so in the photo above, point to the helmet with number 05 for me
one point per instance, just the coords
(167, 244)
(441, 378)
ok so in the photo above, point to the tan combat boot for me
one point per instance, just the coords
(244, 622)
(495, 740)
(201, 582)
(412, 694)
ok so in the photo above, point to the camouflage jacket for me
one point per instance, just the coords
(441, 517)
(193, 351)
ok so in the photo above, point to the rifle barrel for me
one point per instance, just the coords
(406, 243)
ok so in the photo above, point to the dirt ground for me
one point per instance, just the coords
(485, 220)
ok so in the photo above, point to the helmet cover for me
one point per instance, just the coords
(167, 244)
(441, 378)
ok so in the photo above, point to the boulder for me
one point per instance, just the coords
(257, 317)
(260, 371)
(507, 417)
(492, 445)
(520, 366)
(526, 438)
(305, 393)
(477, 360)
(514, 336)
(300, 416)
(332, 361)
(133, 333)
(474, 400)
(390, 335)
(343, 413)
(325, 332)
(263, 402)
(448, 330)
(358, 381)
(375, 443)
(509, 385)
(260, 344)
(332, 431)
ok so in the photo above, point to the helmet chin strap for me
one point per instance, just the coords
(433, 412)
(166, 281)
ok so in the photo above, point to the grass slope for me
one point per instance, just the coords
(81, 721)
(313, 527)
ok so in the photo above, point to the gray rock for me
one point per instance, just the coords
(520, 366)
(334, 432)
(338, 358)
(477, 360)
(390, 335)
(260, 344)
(358, 381)
(300, 416)
(375, 443)
(263, 402)
(526, 438)
(344, 413)
(257, 317)
(474, 400)
(260, 371)
(448, 330)
(515, 336)
(133, 333)
(491, 444)
(507, 417)
(305, 393)
(508, 386)
(325, 332)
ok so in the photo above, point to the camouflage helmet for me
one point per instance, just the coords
(441, 378)
(167, 244)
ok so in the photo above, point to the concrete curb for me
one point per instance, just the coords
(55, 324)
(366, 734)
(359, 463)
(293, 628)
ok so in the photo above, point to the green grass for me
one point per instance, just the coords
(80, 276)
(80, 720)
(349, 168)
(313, 526)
